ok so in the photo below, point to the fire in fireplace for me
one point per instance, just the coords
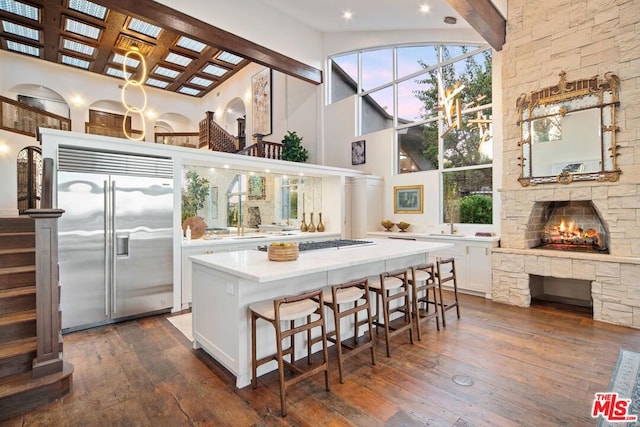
(571, 226)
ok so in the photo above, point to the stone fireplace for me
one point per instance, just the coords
(532, 57)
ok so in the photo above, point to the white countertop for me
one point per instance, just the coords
(258, 238)
(254, 265)
(434, 236)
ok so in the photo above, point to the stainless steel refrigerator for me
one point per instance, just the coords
(115, 237)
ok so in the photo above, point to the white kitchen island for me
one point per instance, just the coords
(225, 284)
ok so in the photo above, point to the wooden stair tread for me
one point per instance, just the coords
(16, 292)
(18, 383)
(20, 269)
(17, 317)
(17, 251)
(18, 347)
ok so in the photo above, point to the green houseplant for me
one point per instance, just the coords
(195, 195)
(292, 149)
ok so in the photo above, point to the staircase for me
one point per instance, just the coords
(19, 390)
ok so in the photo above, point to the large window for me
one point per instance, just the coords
(438, 99)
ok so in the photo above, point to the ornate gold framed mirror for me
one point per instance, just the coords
(568, 131)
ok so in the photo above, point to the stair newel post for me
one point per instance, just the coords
(48, 358)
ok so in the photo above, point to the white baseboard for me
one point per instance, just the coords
(8, 212)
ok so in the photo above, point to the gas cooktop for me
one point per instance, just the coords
(329, 244)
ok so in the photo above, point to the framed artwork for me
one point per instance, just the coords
(256, 188)
(261, 96)
(358, 152)
(408, 199)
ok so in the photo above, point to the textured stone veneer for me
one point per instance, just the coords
(583, 38)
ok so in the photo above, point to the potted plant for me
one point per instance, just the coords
(292, 149)
(195, 195)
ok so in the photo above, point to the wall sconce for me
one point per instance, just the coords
(134, 52)
(4, 149)
(77, 100)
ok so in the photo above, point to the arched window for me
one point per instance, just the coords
(29, 178)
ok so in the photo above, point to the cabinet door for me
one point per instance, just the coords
(187, 267)
(478, 268)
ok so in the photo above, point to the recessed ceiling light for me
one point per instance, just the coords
(229, 57)
(21, 30)
(81, 28)
(424, 8)
(19, 8)
(167, 72)
(157, 83)
(75, 46)
(182, 60)
(23, 48)
(191, 44)
(347, 15)
(75, 62)
(131, 62)
(88, 8)
(214, 70)
(143, 27)
(199, 81)
(189, 91)
(117, 72)
(451, 20)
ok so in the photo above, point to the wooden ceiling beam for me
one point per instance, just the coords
(483, 16)
(182, 23)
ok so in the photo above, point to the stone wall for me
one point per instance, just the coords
(582, 38)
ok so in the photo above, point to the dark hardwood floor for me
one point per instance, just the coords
(529, 366)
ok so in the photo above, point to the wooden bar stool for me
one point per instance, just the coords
(301, 308)
(392, 286)
(446, 272)
(345, 300)
(423, 279)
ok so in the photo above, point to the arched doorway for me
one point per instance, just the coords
(29, 166)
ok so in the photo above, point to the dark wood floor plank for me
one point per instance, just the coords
(528, 365)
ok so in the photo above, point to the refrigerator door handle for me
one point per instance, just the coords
(107, 241)
(114, 248)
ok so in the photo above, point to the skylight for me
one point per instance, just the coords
(88, 8)
(229, 57)
(81, 28)
(191, 44)
(75, 62)
(131, 62)
(144, 28)
(117, 72)
(157, 83)
(199, 81)
(174, 58)
(22, 9)
(20, 30)
(214, 70)
(23, 48)
(75, 46)
(189, 91)
(167, 72)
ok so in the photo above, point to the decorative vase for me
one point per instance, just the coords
(320, 227)
(311, 228)
(303, 226)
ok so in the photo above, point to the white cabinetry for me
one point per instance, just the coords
(472, 256)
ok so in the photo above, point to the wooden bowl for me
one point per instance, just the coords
(403, 226)
(282, 253)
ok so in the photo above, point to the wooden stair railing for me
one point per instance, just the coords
(21, 118)
(212, 135)
(32, 371)
(262, 148)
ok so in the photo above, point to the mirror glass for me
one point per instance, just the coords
(252, 200)
(568, 131)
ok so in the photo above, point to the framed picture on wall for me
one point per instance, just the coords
(358, 152)
(408, 199)
(261, 98)
(256, 188)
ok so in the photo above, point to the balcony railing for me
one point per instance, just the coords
(22, 118)
(180, 139)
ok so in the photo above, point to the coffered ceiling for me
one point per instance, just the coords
(96, 38)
